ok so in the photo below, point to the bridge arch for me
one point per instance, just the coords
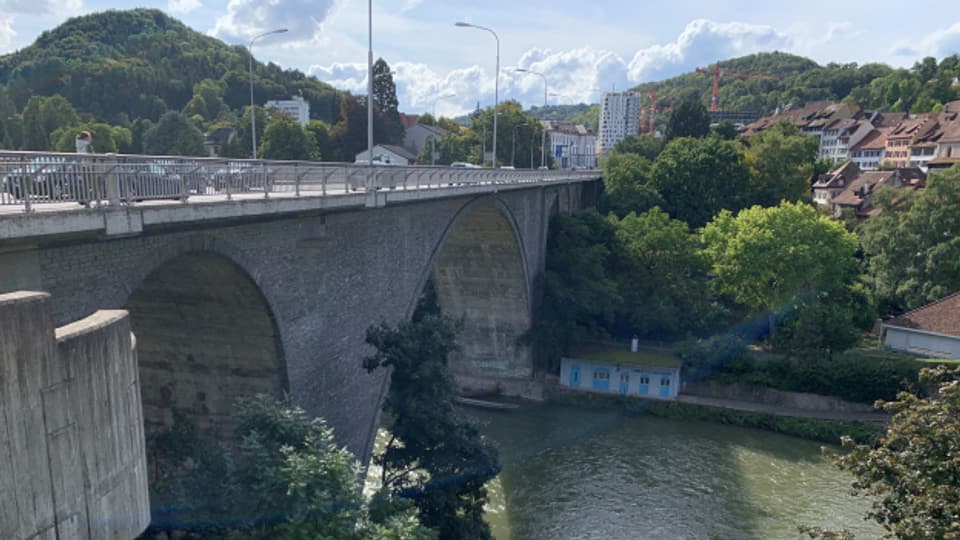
(206, 336)
(480, 270)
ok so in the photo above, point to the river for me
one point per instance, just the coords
(591, 474)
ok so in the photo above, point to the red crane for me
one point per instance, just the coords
(715, 100)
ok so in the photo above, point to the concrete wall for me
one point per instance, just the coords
(769, 396)
(324, 276)
(72, 458)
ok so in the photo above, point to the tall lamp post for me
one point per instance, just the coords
(513, 145)
(253, 110)
(433, 138)
(370, 91)
(496, 84)
(543, 137)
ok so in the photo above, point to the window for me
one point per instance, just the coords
(664, 381)
(624, 377)
(644, 379)
(601, 375)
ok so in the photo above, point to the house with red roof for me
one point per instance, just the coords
(932, 330)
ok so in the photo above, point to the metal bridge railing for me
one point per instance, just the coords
(30, 179)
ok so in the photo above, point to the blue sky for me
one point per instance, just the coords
(582, 46)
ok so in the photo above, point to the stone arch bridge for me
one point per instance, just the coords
(273, 292)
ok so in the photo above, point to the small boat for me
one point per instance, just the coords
(471, 402)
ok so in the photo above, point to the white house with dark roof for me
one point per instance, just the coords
(932, 330)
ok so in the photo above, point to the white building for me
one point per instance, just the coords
(571, 145)
(619, 117)
(932, 330)
(868, 153)
(296, 108)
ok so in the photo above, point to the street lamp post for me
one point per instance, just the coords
(370, 91)
(496, 84)
(513, 145)
(543, 137)
(433, 138)
(253, 110)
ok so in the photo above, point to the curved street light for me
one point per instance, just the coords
(496, 83)
(253, 111)
(543, 137)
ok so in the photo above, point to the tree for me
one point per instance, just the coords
(450, 148)
(913, 247)
(697, 178)
(284, 138)
(320, 131)
(628, 184)
(511, 116)
(661, 277)
(725, 130)
(580, 294)
(44, 115)
(106, 138)
(385, 100)
(434, 457)
(913, 472)
(688, 119)
(645, 145)
(174, 135)
(348, 137)
(767, 257)
(244, 138)
(781, 161)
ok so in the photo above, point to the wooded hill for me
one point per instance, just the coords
(781, 79)
(122, 65)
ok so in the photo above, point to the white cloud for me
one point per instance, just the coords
(40, 7)
(410, 4)
(183, 6)
(939, 43)
(247, 18)
(703, 42)
(7, 33)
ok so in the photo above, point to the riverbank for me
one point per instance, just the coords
(749, 415)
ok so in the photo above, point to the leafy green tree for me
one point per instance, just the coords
(645, 145)
(628, 184)
(44, 115)
(511, 115)
(105, 138)
(174, 135)
(450, 148)
(913, 472)
(698, 178)
(284, 138)
(688, 119)
(434, 457)
(725, 130)
(781, 161)
(349, 136)
(823, 323)
(766, 257)
(580, 293)
(244, 138)
(320, 131)
(426, 119)
(661, 277)
(390, 130)
(913, 247)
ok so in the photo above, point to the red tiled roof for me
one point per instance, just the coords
(875, 140)
(942, 317)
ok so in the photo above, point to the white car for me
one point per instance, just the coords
(464, 165)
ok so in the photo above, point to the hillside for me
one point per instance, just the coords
(787, 78)
(140, 63)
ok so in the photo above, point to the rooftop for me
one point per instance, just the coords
(645, 356)
(875, 140)
(942, 317)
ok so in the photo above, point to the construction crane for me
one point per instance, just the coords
(715, 100)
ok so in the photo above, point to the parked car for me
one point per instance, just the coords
(464, 165)
(139, 181)
(239, 176)
(42, 177)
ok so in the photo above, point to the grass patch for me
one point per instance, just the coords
(940, 361)
(645, 356)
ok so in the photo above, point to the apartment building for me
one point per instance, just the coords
(572, 145)
(619, 117)
(295, 107)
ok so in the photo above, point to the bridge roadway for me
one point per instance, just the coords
(245, 277)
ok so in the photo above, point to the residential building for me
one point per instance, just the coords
(868, 153)
(896, 154)
(849, 188)
(838, 126)
(572, 146)
(848, 133)
(409, 120)
(295, 107)
(624, 373)
(619, 117)
(217, 138)
(937, 145)
(387, 154)
(932, 330)
(419, 135)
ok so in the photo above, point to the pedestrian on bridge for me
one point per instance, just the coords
(84, 143)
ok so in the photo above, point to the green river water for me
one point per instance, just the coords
(592, 474)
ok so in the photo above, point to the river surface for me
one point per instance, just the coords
(593, 474)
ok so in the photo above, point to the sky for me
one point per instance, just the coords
(583, 47)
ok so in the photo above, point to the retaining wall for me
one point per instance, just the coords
(769, 396)
(72, 458)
